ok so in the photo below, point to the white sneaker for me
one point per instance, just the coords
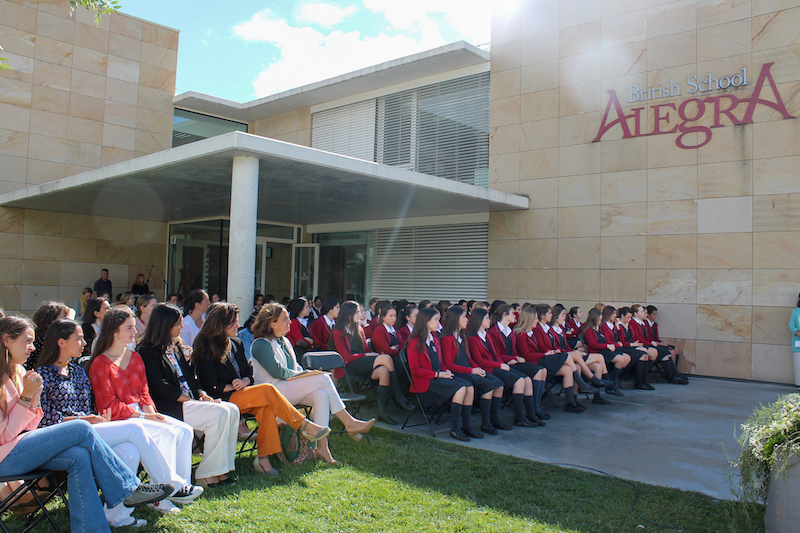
(186, 494)
(135, 522)
(165, 507)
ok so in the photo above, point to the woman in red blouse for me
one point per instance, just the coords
(348, 339)
(120, 384)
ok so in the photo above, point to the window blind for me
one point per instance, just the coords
(347, 130)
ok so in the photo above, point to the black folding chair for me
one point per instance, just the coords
(249, 444)
(429, 413)
(30, 485)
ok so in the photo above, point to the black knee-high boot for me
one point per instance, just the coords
(383, 405)
(538, 392)
(397, 393)
(519, 412)
(672, 372)
(486, 406)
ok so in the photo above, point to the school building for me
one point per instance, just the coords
(616, 151)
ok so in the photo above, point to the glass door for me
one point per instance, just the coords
(261, 264)
(305, 270)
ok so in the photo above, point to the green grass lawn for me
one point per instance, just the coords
(403, 482)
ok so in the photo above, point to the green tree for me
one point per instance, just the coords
(98, 7)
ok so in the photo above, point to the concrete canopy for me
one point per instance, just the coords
(297, 185)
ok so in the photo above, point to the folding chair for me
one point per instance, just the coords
(30, 484)
(428, 413)
(248, 445)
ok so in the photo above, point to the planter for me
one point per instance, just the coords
(783, 503)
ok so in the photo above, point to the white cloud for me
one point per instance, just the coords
(326, 15)
(471, 19)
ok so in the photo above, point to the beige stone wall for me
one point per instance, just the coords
(293, 127)
(53, 256)
(711, 236)
(80, 97)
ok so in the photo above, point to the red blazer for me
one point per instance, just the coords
(296, 332)
(654, 327)
(651, 332)
(621, 335)
(573, 328)
(610, 333)
(593, 343)
(402, 335)
(543, 339)
(320, 333)
(382, 341)
(483, 356)
(370, 329)
(342, 342)
(638, 334)
(497, 342)
(420, 364)
(450, 351)
(527, 347)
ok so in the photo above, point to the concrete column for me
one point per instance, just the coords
(242, 239)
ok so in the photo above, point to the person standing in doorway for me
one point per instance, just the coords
(103, 285)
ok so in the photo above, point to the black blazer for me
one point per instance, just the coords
(214, 375)
(164, 384)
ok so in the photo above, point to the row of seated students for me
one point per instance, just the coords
(140, 402)
(476, 357)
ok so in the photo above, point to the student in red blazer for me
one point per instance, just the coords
(652, 316)
(666, 353)
(573, 327)
(629, 333)
(456, 359)
(321, 328)
(348, 339)
(434, 384)
(596, 341)
(384, 336)
(409, 318)
(494, 363)
(502, 341)
(299, 334)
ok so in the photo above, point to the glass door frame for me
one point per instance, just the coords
(315, 282)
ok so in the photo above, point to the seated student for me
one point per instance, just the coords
(299, 333)
(371, 312)
(456, 359)
(424, 304)
(177, 393)
(144, 306)
(224, 373)
(592, 365)
(597, 342)
(493, 363)
(47, 313)
(67, 395)
(90, 325)
(407, 321)
(348, 339)
(384, 336)
(194, 308)
(502, 342)
(674, 351)
(120, 385)
(642, 318)
(630, 338)
(573, 327)
(610, 328)
(321, 329)
(72, 446)
(375, 318)
(556, 364)
(274, 362)
(432, 382)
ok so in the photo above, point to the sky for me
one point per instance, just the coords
(244, 50)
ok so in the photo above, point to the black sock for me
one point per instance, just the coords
(495, 409)
(570, 396)
(530, 408)
(638, 373)
(486, 405)
(396, 390)
(646, 371)
(516, 403)
(670, 368)
(614, 373)
(455, 415)
(466, 418)
(538, 390)
(596, 382)
(579, 381)
(383, 399)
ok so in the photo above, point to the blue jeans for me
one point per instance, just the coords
(75, 447)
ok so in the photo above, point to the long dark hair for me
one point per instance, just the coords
(92, 307)
(14, 327)
(499, 312)
(60, 329)
(327, 305)
(47, 313)
(347, 320)
(451, 319)
(195, 297)
(112, 320)
(475, 321)
(295, 306)
(541, 310)
(212, 343)
(608, 311)
(402, 319)
(425, 315)
(557, 310)
(142, 301)
(159, 329)
(572, 312)
(592, 319)
(381, 308)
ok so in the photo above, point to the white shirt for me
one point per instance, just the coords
(482, 335)
(557, 329)
(545, 326)
(641, 323)
(189, 330)
(390, 329)
(505, 330)
(329, 321)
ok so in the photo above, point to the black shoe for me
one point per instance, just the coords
(605, 383)
(536, 421)
(407, 406)
(472, 433)
(680, 381)
(499, 425)
(489, 430)
(386, 419)
(645, 386)
(573, 408)
(614, 391)
(226, 482)
(600, 400)
(524, 423)
(588, 390)
(459, 436)
(542, 415)
(148, 493)
(579, 404)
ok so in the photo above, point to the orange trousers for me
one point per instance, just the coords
(266, 403)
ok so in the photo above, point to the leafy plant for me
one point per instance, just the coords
(98, 7)
(769, 438)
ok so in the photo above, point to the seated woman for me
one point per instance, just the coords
(348, 339)
(321, 328)
(432, 382)
(556, 363)
(299, 334)
(456, 359)
(573, 327)
(384, 334)
(274, 362)
(629, 338)
(177, 393)
(72, 446)
(597, 342)
(651, 334)
(90, 324)
(407, 320)
(67, 395)
(225, 373)
(47, 313)
(493, 363)
(119, 383)
(144, 307)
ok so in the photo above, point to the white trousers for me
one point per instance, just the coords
(174, 439)
(318, 391)
(219, 423)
